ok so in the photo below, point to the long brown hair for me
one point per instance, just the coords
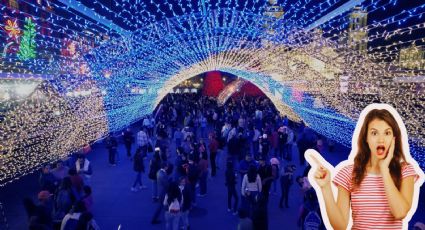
(363, 153)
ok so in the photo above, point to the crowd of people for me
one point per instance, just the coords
(190, 136)
(65, 198)
(180, 146)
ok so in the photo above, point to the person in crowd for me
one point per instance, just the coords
(274, 163)
(225, 132)
(186, 203)
(286, 181)
(112, 146)
(142, 141)
(309, 216)
(251, 188)
(45, 208)
(230, 182)
(203, 174)
(306, 141)
(203, 124)
(147, 123)
(255, 140)
(260, 214)
(187, 119)
(64, 199)
(162, 183)
(128, 138)
(83, 167)
(47, 180)
(186, 131)
(265, 146)
(139, 168)
(70, 221)
(162, 144)
(202, 148)
(87, 222)
(265, 173)
(274, 142)
(282, 139)
(304, 184)
(154, 167)
(61, 170)
(178, 137)
(30, 209)
(173, 202)
(152, 125)
(419, 226)
(233, 147)
(320, 145)
(213, 147)
(180, 164)
(289, 144)
(86, 149)
(193, 177)
(245, 223)
(245, 164)
(87, 198)
(187, 144)
(161, 130)
(77, 183)
(243, 143)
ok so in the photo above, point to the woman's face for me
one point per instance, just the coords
(379, 136)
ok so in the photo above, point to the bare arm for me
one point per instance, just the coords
(338, 212)
(400, 202)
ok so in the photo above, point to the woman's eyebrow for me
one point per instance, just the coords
(374, 129)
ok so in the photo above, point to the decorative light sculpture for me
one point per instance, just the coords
(125, 57)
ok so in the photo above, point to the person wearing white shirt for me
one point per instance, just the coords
(251, 187)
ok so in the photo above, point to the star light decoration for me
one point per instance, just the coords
(302, 61)
(12, 29)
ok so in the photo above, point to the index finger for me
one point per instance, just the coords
(314, 158)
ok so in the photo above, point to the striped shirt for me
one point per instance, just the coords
(369, 205)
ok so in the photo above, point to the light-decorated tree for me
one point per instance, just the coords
(27, 45)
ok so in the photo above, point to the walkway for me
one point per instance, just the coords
(115, 205)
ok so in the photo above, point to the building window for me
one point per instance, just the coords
(14, 4)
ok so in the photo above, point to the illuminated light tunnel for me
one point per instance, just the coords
(95, 67)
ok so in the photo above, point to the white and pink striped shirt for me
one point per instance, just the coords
(369, 203)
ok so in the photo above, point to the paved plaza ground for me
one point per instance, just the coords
(115, 205)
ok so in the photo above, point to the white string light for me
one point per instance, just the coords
(90, 71)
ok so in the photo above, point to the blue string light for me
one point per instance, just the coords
(112, 63)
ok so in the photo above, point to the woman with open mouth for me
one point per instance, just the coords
(379, 184)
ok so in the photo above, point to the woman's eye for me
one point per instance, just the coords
(388, 133)
(374, 133)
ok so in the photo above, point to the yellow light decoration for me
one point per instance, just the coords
(45, 127)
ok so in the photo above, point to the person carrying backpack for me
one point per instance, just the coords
(310, 217)
(70, 221)
(173, 202)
